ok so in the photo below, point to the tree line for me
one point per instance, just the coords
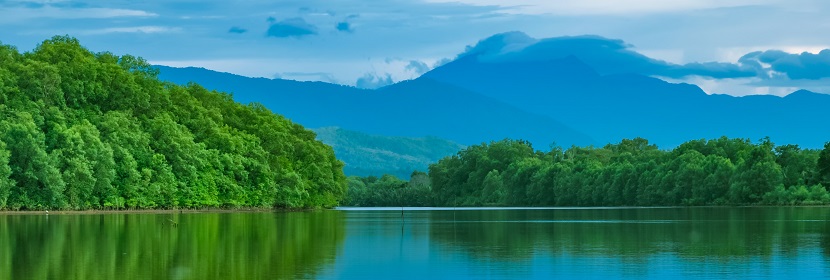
(84, 130)
(632, 172)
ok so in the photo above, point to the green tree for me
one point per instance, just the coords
(756, 174)
(39, 183)
(797, 165)
(632, 172)
(493, 191)
(719, 171)
(6, 183)
(357, 194)
(76, 170)
(688, 177)
(518, 177)
(80, 80)
(823, 165)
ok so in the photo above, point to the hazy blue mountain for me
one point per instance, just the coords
(569, 90)
(613, 56)
(376, 155)
(609, 107)
(417, 108)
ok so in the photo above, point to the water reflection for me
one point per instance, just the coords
(652, 243)
(597, 243)
(635, 233)
(169, 246)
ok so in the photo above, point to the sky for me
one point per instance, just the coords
(372, 43)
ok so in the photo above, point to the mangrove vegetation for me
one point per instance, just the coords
(632, 172)
(84, 130)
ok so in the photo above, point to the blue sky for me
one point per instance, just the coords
(373, 43)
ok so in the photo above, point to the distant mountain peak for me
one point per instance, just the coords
(803, 93)
(472, 68)
(605, 55)
(572, 90)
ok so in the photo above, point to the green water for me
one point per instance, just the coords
(636, 243)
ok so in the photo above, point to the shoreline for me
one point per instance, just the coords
(149, 211)
(360, 208)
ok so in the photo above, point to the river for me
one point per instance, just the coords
(422, 243)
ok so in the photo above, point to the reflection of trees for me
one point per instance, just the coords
(144, 246)
(634, 235)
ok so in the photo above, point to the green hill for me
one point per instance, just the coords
(375, 155)
(83, 130)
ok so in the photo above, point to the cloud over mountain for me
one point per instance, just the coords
(610, 56)
(607, 56)
(373, 81)
(418, 67)
(794, 66)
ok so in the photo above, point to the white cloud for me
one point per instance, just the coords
(753, 86)
(105, 13)
(273, 68)
(132, 29)
(346, 72)
(21, 14)
(256, 68)
(734, 87)
(374, 80)
(307, 76)
(604, 7)
(203, 17)
(732, 54)
(669, 55)
(678, 31)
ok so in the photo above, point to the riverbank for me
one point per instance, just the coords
(150, 211)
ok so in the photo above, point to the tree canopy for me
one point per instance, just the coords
(84, 130)
(632, 172)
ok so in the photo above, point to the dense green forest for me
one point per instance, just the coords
(367, 154)
(389, 190)
(84, 130)
(630, 173)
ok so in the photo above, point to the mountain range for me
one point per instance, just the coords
(415, 108)
(375, 155)
(627, 105)
(568, 91)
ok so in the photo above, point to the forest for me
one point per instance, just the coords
(84, 130)
(723, 171)
(367, 154)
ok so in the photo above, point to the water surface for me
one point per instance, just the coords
(418, 243)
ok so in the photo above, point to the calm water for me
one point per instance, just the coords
(656, 243)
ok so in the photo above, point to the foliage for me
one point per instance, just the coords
(375, 155)
(388, 190)
(83, 130)
(631, 173)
